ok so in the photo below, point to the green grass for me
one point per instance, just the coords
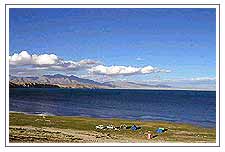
(175, 133)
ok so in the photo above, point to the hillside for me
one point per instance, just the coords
(55, 81)
(63, 81)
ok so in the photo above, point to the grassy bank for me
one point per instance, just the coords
(33, 128)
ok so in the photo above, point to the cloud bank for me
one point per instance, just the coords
(51, 62)
(203, 79)
(48, 62)
(188, 80)
(24, 58)
(124, 70)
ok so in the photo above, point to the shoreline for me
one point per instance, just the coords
(40, 128)
(166, 89)
(104, 118)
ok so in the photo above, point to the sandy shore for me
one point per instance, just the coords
(57, 129)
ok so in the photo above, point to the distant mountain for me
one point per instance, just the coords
(58, 80)
(72, 81)
(62, 79)
(133, 85)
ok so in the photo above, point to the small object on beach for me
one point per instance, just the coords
(99, 127)
(149, 136)
(110, 127)
(42, 115)
(160, 130)
(123, 126)
(133, 128)
(116, 129)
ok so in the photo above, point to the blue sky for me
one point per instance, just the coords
(181, 41)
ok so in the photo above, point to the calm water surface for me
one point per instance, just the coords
(194, 107)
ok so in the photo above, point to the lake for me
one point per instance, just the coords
(182, 106)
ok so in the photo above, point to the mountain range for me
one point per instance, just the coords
(63, 81)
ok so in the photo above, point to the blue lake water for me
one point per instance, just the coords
(193, 107)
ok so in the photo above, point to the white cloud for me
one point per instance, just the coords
(86, 63)
(45, 59)
(124, 70)
(48, 62)
(20, 59)
(204, 79)
(24, 58)
(51, 62)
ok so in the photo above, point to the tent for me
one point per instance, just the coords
(160, 130)
(133, 127)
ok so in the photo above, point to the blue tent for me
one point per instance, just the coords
(160, 130)
(134, 127)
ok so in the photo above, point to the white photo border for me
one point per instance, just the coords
(11, 6)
